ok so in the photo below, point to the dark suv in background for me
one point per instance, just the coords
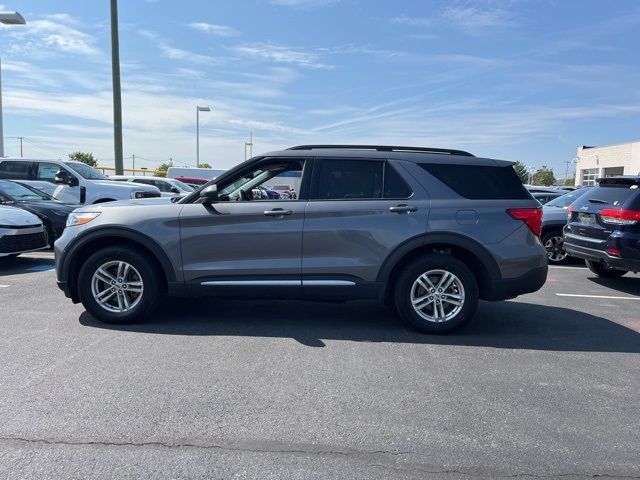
(604, 227)
(430, 230)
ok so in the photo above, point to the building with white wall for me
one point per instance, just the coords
(606, 161)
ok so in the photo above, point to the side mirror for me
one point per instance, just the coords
(62, 177)
(209, 194)
(73, 181)
(174, 190)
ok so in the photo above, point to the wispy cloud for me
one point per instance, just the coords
(175, 53)
(476, 17)
(469, 18)
(213, 29)
(52, 33)
(280, 54)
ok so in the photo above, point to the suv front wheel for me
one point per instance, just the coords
(118, 285)
(436, 294)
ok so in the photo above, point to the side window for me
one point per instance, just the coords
(394, 185)
(263, 182)
(337, 179)
(479, 182)
(162, 186)
(47, 171)
(14, 170)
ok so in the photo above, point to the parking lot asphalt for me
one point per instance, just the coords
(546, 385)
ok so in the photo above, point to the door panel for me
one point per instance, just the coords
(237, 240)
(352, 238)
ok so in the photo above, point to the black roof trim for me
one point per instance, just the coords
(385, 148)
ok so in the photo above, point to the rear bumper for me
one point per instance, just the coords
(596, 255)
(512, 287)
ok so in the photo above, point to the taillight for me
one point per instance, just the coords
(619, 216)
(531, 216)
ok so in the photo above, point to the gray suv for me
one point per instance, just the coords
(431, 230)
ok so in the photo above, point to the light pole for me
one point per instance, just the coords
(198, 110)
(7, 18)
(250, 145)
(117, 94)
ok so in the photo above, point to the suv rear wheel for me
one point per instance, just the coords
(118, 285)
(436, 294)
(603, 270)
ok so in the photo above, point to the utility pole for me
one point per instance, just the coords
(117, 94)
(133, 161)
(20, 138)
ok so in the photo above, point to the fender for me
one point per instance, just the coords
(453, 239)
(65, 261)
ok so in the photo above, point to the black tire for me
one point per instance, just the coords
(48, 233)
(604, 271)
(556, 253)
(148, 271)
(433, 262)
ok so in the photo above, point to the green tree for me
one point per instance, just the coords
(570, 182)
(544, 176)
(521, 170)
(205, 165)
(161, 171)
(84, 157)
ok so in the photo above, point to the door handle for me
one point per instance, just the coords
(277, 212)
(403, 209)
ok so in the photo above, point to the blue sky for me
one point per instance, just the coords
(527, 80)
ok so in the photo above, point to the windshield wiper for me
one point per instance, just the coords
(597, 200)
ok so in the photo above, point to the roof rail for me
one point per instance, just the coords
(385, 148)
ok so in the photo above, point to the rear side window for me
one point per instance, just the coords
(347, 179)
(394, 185)
(14, 170)
(357, 179)
(479, 182)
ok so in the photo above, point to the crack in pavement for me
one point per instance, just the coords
(309, 449)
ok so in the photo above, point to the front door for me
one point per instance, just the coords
(249, 241)
(46, 172)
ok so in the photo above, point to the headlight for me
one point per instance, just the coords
(80, 218)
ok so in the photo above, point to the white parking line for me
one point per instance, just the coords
(607, 297)
(4, 286)
(560, 267)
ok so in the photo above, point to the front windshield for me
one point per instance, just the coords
(85, 171)
(567, 199)
(182, 186)
(18, 192)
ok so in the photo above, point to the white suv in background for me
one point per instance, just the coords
(20, 232)
(71, 182)
(168, 187)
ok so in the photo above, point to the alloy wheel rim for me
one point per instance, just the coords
(555, 249)
(117, 286)
(437, 296)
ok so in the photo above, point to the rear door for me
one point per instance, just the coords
(585, 225)
(359, 211)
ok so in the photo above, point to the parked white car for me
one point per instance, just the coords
(71, 182)
(168, 187)
(20, 232)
